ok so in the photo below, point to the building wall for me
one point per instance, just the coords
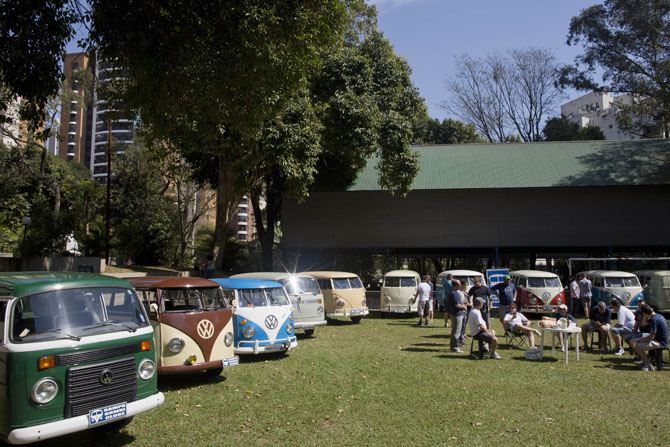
(597, 109)
(486, 218)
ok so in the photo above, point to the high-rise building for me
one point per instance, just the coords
(75, 116)
(598, 109)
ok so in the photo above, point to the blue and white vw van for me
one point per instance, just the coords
(608, 284)
(262, 315)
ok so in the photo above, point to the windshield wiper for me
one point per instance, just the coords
(111, 323)
(60, 331)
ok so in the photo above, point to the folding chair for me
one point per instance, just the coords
(598, 341)
(514, 339)
(656, 357)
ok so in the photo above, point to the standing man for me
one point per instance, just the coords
(480, 330)
(483, 292)
(457, 310)
(506, 293)
(585, 293)
(657, 338)
(424, 307)
(447, 286)
(625, 323)
(432, 298)
(575, 302)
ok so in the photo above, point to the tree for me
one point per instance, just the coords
(562, 129)
(362, 105)
(204, 78)
(628, 41)
(432, 131)
(503, 94)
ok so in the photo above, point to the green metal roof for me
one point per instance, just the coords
(535, 165)
(27, 283)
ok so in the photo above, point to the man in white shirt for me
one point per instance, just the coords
(425, 306)
(517, 322)
(480, 331)
(625, 323)
(575, 302)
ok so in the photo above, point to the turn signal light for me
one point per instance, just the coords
(192, 359)
(46, 362)
(243, 322)
(145, 345)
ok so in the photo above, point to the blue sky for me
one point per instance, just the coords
(430, 33)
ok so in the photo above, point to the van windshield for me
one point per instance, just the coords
(75, 313)
(621, 282)
(262, 297)
(191, 299)
(398, 281)
(468, 280)
(544, 282)
(300, 285)
(347, 283)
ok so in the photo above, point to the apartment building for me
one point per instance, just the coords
(598, 109)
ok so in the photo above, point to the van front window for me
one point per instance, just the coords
(301, 285)
(251, 298)
(74, 313)
(341, 283)
(392, 281)
(622, 282)
(408, 282)
(191, 299)
(356, 283)
(277, 297)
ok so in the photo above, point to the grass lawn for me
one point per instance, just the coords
(386, 382)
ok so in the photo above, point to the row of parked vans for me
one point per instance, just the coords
(81, 350)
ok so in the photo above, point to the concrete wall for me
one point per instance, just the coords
(506, 218)
(56, 264)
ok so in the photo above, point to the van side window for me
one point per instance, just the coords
(324, 284)
(148, 297)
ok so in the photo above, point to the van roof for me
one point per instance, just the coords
(534, 273)
(461, 273)
(246, 283)
(402, 273)
(170, 282)
(329, 274)
(28, 283)
(270, 276)
(653, 272)
(607, 273)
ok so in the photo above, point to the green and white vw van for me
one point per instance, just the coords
(76, 352)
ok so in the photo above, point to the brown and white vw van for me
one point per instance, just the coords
(192, 321)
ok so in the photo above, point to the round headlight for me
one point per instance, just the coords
(289, 328)
(388, 299)
(44, 390)
(340, 303)
(228, 338)
(320, 309)
(147, 369)
(176, 345)
(248, 332)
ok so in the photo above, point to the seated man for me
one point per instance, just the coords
(480, 331)
(641, 328)
(562, 312)
(518, 323)
(625, 323)
(600, 318)
(657, 338)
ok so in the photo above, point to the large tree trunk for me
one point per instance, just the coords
(266, 233)
(226, 206)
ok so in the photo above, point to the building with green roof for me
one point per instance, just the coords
(528, 198)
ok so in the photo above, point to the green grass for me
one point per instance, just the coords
(385, 382)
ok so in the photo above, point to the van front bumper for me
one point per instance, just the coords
(78, 423)
(310, 324)
(258, 346)
(356, 312)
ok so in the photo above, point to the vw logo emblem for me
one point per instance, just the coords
(625, 295)
(271, 322)
(106, 376)
(205, 329)
(546, 295)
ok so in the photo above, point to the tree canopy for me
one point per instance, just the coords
(562, 129)
(629, 41)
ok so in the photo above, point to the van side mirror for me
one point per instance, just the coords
(153, 308)
(234, 303)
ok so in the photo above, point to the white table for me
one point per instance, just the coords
(555, 331)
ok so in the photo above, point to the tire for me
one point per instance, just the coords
(214, 372)
(309, 332)
(356, 319)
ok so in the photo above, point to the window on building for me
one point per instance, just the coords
(70, 138)
(75, 65)
(72, 127)
(73, 117)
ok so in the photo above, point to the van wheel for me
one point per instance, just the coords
(214, 372)
(356, 319)
(309, 332)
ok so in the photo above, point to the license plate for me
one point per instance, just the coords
(280, 347)
(232, 361)
(111, 412)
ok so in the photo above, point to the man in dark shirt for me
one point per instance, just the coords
(600, 320)
(506, 293)
(657, 338)
(481, 291)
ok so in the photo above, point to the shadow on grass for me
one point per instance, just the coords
(94, 437)
(446, 336)
(430, 347)
(333, 322)
(618, 363)
(269, 357)
(183, 381)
